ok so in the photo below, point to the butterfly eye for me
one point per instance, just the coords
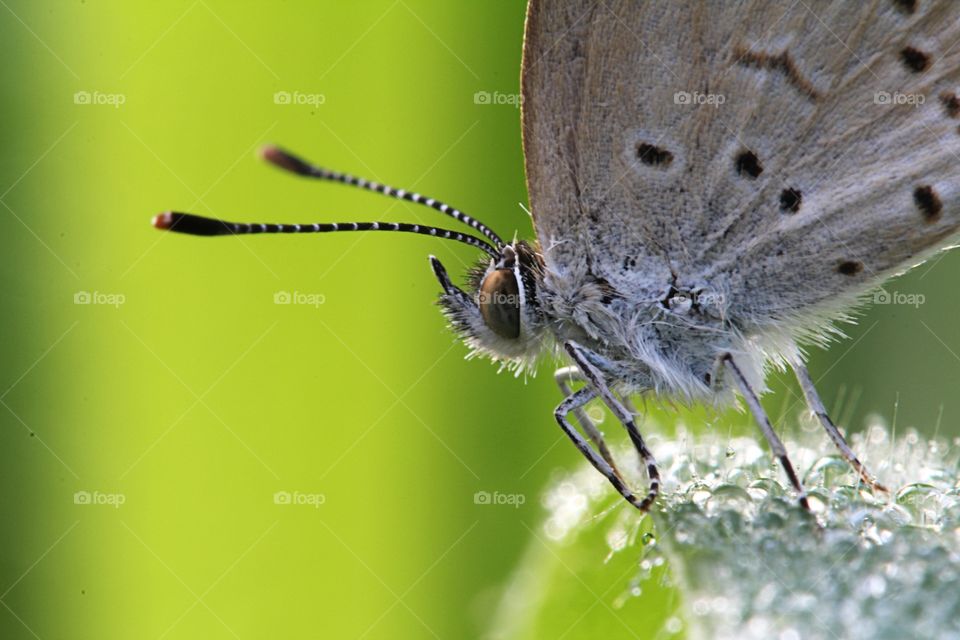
(500, 303)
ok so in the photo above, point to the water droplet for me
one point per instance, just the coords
(596, 414)
(701, 606)
(730, 497)
(876, 434)
(827, 471)
(818, 500)
(765, 488)
(921, 500)
(875, 586)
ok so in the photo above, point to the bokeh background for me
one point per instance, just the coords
(158, 406)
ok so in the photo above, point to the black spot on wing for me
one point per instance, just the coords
(908, 7)
(850, 267)
(654, 156)
(790, 200)
(951, 104)
(928, 202)
(747, 164)
(915, 60)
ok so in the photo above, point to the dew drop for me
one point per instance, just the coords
(673, 625)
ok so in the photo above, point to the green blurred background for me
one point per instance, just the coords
(185, 393)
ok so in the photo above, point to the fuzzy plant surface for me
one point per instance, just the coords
(727, 553)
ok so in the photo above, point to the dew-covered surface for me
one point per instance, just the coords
(747, 562)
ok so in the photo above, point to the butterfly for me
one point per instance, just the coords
(714, 186)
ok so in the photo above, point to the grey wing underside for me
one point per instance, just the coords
(817, 176)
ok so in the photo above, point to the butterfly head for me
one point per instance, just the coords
(498, 315)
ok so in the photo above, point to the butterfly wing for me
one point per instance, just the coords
(790, 154)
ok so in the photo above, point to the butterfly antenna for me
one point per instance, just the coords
(200, 226)
(292, 163)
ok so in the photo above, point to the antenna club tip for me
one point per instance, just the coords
(268, 152)
(163, 221)
(284, 159)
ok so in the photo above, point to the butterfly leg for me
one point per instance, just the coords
(564, 376)
(816, 406)
(598, 386)
(776, 445)
(573, 403)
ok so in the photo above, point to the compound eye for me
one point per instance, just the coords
(500, 303)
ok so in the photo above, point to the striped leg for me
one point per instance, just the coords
(816, 406)
(761, 417)
(564, 376)
(573, 403)
(598, 385)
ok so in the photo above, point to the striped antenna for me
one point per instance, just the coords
(199, 226)
(290, 162)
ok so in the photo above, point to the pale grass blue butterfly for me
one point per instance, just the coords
(713, 185)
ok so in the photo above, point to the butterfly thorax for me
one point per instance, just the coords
(664, 337)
